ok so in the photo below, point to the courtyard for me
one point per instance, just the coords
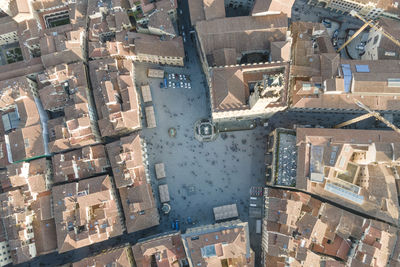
(10, 53)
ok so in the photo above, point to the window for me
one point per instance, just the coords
(306, 86)
(376, 38)
(52, 133)
(390, 53)
(26, 142)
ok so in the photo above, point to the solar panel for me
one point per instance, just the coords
(347, 77)
(10, 120)
(344, 193)
(393, 82)
(362, 68)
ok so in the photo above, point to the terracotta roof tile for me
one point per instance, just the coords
(93, 220)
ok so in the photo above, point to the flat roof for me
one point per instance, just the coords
(225, 212)
(150, 117)
(146, 93)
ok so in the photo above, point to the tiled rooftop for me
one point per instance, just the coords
(127, 160)
(242, 33)
(350, 167)
(230, 87)
(62, 48)
(263, 7)
(152, 45)
(129, 169)
(218, 245)
(122, 257)
(26, 210)
(115, 96)
(26, 143)
(323, 80)
(85, 213)
(139, 207)
(20, 124)
(308, 232)
(81, 208)
(168, 250)
(162, 23)
(80, 163)
(34, 174)
(64, 88)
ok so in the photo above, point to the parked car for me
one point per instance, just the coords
(177, 224)
(360, 47)
(161, 85)
(327, 23)
(335, 33)
(173, 225)
(256, 191)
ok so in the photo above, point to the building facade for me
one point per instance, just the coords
(246, 92)
(239, 3)
(368, 9)
(378, 46)
(153, 49)
(8, 31)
